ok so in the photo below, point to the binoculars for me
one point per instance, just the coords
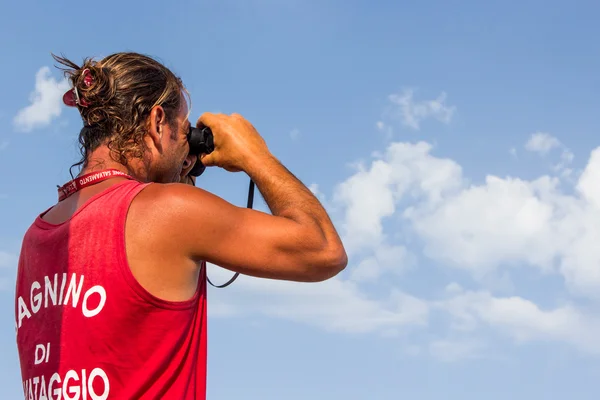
(201, 142)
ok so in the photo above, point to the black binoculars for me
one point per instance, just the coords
(201, 142)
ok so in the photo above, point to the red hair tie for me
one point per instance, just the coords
(71, 98)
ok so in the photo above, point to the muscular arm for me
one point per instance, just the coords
(298, 242)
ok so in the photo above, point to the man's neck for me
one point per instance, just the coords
(100, 160)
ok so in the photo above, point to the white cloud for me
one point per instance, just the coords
(372, 193)
(385, 258)
(412, 113)
(482, 226)
(541, 142)
(502, 222)
(295, 134)
(367, 201)
(524, 321)
(334, 305)
(46, 102)
(409, 209)
(562, 167)
(4, 145)
(512, 222)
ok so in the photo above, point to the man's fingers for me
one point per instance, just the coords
(208, 119)
(208, 160)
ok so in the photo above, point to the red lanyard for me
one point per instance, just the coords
(86, 180)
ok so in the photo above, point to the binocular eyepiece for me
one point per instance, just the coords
(201, 142)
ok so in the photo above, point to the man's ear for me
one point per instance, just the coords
(156, 126)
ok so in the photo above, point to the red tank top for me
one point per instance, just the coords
(86, 329)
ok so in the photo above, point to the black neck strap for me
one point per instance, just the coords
(249, 205)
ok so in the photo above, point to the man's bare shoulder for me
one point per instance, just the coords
(177, 209)
(174, 200)
(169, 196)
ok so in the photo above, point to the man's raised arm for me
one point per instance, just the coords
(298, 242)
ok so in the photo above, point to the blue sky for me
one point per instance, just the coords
(453, 142)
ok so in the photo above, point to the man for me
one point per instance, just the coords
(111, 283)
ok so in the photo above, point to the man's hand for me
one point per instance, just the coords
(237, 143)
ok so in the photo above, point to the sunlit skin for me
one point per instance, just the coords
(175, 225)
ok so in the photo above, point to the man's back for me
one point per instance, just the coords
(86, 325)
